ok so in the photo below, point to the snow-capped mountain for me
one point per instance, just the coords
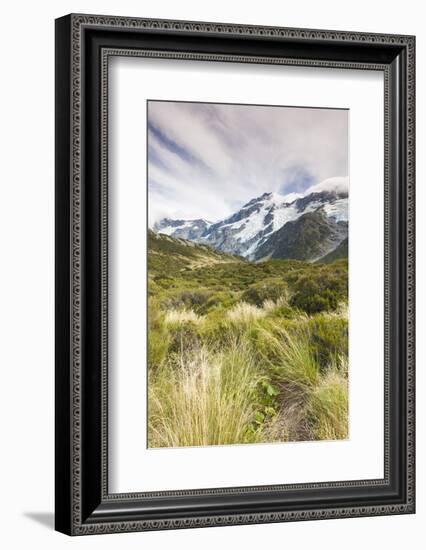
(266, 219)
(191, 230)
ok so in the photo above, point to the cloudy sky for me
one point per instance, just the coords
(207, 160)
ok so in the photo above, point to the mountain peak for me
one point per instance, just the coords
(249, 228)
(277, 198)
(270, 196)
(183, 229)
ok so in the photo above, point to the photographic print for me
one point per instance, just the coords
(247, 274)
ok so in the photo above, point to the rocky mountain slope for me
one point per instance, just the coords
(309, 237)
(339, 253)
(265, 227)
(182, 229)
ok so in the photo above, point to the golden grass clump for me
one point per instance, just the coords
(271, 305)
(328, 404)
(176, 316)
(245, 312)
(204, 399)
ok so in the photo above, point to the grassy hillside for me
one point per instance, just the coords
(170, 254)
(241, 352)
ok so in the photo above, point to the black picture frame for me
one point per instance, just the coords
(83, 45)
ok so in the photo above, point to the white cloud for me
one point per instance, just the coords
(206, 160)
(337, 184)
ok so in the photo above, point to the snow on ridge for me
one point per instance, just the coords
(171, 227)
(255, 225)
(291, 197)
(284, 215)
(338, 210)
(269, 213)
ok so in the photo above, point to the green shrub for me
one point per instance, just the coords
(194, 299)
(315, 303)
(163, 282)
(284, 312)
(268, 289)
(218, 300)
(153, 287)
(186, 299)
(158, 335)
(320, 288)
(183, 337)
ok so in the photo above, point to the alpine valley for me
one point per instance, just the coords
(248, 323)
(311, 227)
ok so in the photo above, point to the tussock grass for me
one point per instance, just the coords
(204, 399)
(328, 404)
(245, 312)
(313, 401)
(209, 397)
(289, 357)
(342, 311)
(271, 305)
(174, 316)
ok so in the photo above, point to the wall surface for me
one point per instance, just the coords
(26, 289)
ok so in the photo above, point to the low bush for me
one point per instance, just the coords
(282, 311)
(183, 336)
(186, 299)
(153, 287)
(315, 303)
(158, 335)
(219, 300)
(320, 288)
(266, 290)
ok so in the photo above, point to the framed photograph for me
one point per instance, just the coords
(234, 274)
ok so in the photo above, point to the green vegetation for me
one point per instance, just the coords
(241, 352)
